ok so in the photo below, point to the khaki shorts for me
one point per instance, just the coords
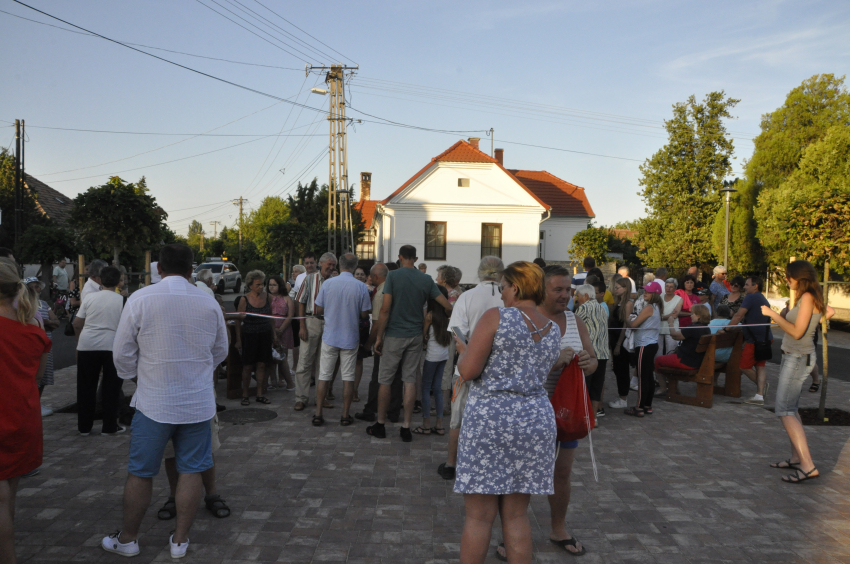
(216, 443)
(459, 401)
(404, 351)
(347, 363)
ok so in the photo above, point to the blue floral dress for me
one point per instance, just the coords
(507, 439)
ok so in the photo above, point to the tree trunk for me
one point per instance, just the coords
(824, 325)
(116, 251)
(46, 280)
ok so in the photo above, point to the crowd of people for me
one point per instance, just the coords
(490, 357)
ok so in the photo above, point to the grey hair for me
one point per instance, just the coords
(625, 269)
(205, 275)
(490, 268)
(326, 257)
(672, 281)
(379, 269)
(719, 268)
(347, 262)
(586, 290)
(451, 275)
(95, 267)
(254, 275)
(299, 268)
(647, 278)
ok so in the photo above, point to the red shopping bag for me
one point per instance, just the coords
(573, 412)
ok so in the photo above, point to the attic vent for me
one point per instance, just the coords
(463, 182)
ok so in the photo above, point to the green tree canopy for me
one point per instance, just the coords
(808, 215)
(117, 216)
(44, 245)
(592, 242)
(745, 253)
(271, 211)
(681, 181)
(30, 216)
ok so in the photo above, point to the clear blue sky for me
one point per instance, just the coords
(558, 74)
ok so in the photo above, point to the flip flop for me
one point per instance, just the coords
(499, 554)
(421, 431)
(568, 542)
(246, 401)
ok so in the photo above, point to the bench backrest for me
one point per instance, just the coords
(721, 340)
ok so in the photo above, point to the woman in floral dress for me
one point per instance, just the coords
(506, 451)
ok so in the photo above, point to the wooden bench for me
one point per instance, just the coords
(706, 375)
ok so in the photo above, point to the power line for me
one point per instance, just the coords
(385, 121)
(249, 89)
(569, 151)
(157, 48)
(168, 134)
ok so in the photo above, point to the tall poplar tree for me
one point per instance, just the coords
(681, 183)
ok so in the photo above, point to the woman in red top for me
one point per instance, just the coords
(689, 298)
(23, 357)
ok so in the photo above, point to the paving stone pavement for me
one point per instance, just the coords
(684, 485)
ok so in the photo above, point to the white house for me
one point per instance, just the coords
(465, 204)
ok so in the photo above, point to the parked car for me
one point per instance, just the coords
(225, 276)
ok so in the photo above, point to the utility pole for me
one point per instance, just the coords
(215, 229)
(18, 182)
(239, 203)
(340, 228)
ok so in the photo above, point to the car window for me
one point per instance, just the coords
(215, 267)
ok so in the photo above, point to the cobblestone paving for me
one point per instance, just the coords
(684, 485)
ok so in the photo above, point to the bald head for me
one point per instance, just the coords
(379, 273)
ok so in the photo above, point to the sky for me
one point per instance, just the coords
(591, 82)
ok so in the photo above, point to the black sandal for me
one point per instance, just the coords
(263, 400)
(795, 478)
(216, 506)
(346, 421)
(634, 412)
(421, 431)
(814, 387)
(168, 511)
(246, 401)
(785, 465)
(438, 431)
(318, 421)
(568, 542)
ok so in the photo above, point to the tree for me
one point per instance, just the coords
(681, 181)
(808, 215)
(745, 252)
(30, 214)
(810, 109)
(118, 217)
(44, 245)
(592, 242)
(271, 211)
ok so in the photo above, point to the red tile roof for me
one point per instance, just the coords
(623, 233)
(52, 203)
(565, 199)
(463, 152)
(367, 211)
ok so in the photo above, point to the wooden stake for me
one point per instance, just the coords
(824, 325)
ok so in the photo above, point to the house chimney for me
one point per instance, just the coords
(365, 186)
(474, 141)
(500, 156)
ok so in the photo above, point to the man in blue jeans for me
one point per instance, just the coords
(171, 337)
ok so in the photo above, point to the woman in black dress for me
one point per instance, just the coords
(254, 335)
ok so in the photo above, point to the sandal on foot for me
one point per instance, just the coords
(499, 555)
(246, 401)
(647, 411)
(216, 506)
(634, 412)
(785, 465)
(421, 431)
(568, 542)
(356, 398)
(346, 421)
(318, 421)
(263, 399)
(796, 479)
(438, 431)
(168, 511)
(814, 387)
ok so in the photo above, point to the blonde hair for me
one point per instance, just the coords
(702, 313)
(528, 278)
(12, 287)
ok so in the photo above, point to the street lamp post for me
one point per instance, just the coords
(728, 190)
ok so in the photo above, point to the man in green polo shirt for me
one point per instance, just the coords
(399, 336)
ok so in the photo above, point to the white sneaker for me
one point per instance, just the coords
(46, 411)
(112, 544)
(755, 400)
(618, 404)
(633, 384)
(118, 432)
(178, 550)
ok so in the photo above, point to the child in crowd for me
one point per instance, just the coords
(724, 316)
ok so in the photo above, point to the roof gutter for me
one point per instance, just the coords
(548, 214)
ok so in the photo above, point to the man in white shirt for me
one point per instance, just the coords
(468, 309)
(93, 283)
(60, 276)
(95, 325)
(171, 337)
(624, 272)
(155, 276)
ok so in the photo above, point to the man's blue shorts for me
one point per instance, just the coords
(569, 444)
(192, 446)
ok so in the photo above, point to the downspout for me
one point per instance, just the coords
(548, 215)
(382, 212)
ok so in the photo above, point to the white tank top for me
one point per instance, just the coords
(572, 339)
(435, 352)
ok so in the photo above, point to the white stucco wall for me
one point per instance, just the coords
(558, 234)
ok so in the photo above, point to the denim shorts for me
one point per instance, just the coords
(569, 445)
(792, 374)
(192, 446)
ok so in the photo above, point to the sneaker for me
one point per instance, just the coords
(112, 544)
(406, 435)
(633, 384)
(446, 472)
(178, 550)
(618, 404)
(600, 412)
(118, 432)
(46, 411)
(84, 434)
(755, 400)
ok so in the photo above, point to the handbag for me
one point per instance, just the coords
(69, 327)
(763, 350)
(574, 416)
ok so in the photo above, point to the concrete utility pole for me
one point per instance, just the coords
(215, 229)
(239, 203)
(340, 227)
(18, 182)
